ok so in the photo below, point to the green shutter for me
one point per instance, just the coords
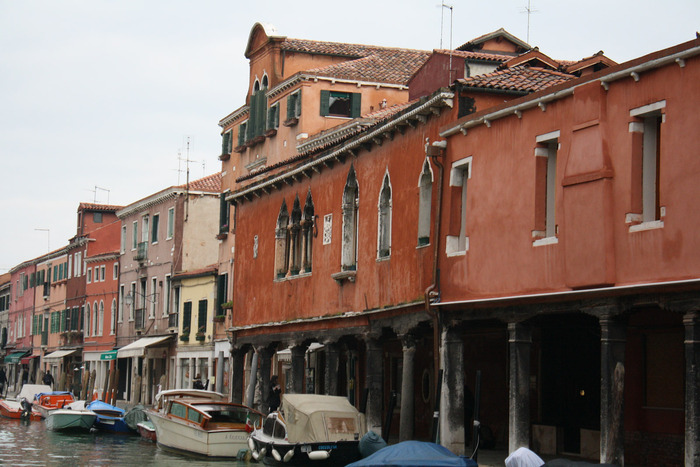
(355, 104)
(241, 133)
(297, 104)
(325, 102)
(32, 280)
(226, 141)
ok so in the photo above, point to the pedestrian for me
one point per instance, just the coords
(273, 399)
(198, 382)
(3, 381)
(48, 379)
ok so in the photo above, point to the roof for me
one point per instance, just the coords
(98, 207)
(475, 56)
(477, 44)
(519, 79)
(210, 183)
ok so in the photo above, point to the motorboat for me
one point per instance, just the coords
(110, 418)
(46, 402)
(147, 430)
(310, 430)
(71, 417)
(415, 454)
(21, 406)
(202, 422)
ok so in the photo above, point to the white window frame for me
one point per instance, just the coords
(548, 148)
(460, 173)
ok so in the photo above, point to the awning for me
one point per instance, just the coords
(111, 355)
(138, 348)
(26, 360)
(58, 355)
(14, 357)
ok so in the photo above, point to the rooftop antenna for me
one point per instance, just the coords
(442, 7)
(95, 193)
(529, 10)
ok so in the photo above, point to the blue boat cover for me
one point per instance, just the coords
(414, 454)
(52, 393)
(99, 405)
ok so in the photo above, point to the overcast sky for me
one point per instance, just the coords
(99, 98)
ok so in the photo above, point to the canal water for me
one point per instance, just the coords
(30, 443)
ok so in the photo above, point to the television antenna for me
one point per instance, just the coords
(94, 200)
(187, 161)
(529, 10)
(442, 7)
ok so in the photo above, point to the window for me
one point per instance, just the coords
(152, 310)
(224, 213)
(458, 242)
(113, 317)
(308, 231)
(144, 228)
(89, 275)
(340, 104)
(282, 246)
(95, 319)
(545, 230)
(384, 219)
(101, 319)
(78, 263)
(186, 317)
(171, 222)
(202, 315)
(258, 110)
(242, 132)
(273, 116)
(154, 228)
(123, 239)
(102, 273)
(351, 199)
(115, 271)
(221, 292)
(133, 301)
(97, 217)
(87, 320)
(178, 410)
(645, 129)
(425, 194)
(134, 236)
(121, 303)
(227, 142)
(166, 299)
(293, 107)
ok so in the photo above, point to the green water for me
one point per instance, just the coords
(30, 443)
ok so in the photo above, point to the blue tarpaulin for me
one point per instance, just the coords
(414, 454)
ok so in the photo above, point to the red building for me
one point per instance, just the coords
(531, 224)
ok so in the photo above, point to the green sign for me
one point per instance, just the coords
(111, 355)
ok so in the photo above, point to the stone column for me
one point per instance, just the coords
(178, 373)
(252, 379)
(219, 385)
(331, 374)
(452, 398)
(407, 389)
(210, 373)
(297, 383)
(265, 364)
(237, 376)
(691, 321)
(519, 343)
(373, 382)
(612, 388)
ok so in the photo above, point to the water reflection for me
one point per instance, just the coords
(24, 443)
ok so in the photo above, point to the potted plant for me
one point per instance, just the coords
(219, 318)
(200, 336)
(185, 336)
(227, 305)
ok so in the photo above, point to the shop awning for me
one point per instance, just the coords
(26, 360)
(58, 355)
(138, 348)
(14, 357)
(111, 355)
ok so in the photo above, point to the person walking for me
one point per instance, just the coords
(3, 381)
(275, 391)
(48, 379)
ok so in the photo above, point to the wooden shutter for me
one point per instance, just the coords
(355, 104)
(325, 102)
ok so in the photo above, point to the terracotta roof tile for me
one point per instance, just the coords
(523, 79)
(467, 54)
(210, 183)
(98, 207)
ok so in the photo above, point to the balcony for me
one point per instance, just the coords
(141, 252)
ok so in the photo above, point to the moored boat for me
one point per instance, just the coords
(46, 402)
(310, 430)
(13, 408)
(110, 418)
(72, 417)
(147, 430)
(202, 422)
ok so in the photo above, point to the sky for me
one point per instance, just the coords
(103, 101)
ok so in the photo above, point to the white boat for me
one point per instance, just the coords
(73, 417)
(310, 430)
(202, 422)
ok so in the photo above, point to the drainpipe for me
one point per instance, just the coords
(436, 152)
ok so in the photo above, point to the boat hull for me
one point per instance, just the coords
(13, 409)
(70, 420)
(186, 436)
(340, 453)
(147, 430)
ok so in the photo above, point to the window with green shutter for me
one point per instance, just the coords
(202, 318)
(273, 116)
(242, 131)
(294, 105)
(340, 104)
(227, 143)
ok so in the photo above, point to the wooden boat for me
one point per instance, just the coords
(47, 402)
(13, 408)
(310, 430)
(72, 417)
(147, 430)
(202, 422)
(109, 417)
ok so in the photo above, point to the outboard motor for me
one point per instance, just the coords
(26, 408)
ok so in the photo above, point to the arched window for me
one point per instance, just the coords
(282, 242)
(425, 187)
(295, 239)
(113, 317)
(351, 199)
(308, 232)
(87, 321)
(101, 319)
(95, 319)
(384, 219)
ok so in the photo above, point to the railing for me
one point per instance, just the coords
(141, 252)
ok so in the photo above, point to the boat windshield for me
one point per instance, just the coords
(229, 414)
